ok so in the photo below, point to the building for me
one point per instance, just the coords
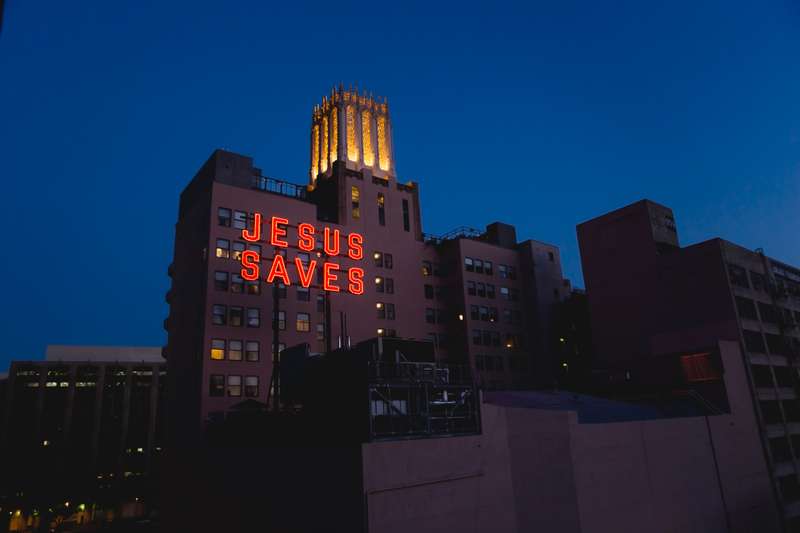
(648, 297)
(84, 425)
(346, 260)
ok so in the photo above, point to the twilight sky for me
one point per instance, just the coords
(539, 114)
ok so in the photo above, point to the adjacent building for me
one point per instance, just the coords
(650, 297)
(483, 297)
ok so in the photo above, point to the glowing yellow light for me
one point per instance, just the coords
(383, 143)
(376, 255)
(140, 450)
(561, 339)
(379, 305)
(45, 443)
(378, 280)
(380, 331)
(366, 138)
(508, 345)
(565, 365)
(323, 164)
(334, 134)
(314, 152)
(352, 147)
(66, 504)
(82, 507)
(460, 316)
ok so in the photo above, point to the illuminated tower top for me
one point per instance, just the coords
(354, 128)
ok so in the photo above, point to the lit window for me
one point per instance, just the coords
(216, 385)
(223, 248)
(251, 386)
(220, 281)
(239, 219)
(355, 200)
(381, 209)
(236, 316)
(427, 268)
(303, 322)
(253, 317)
(253, 287)
(234, 385)
(218, 349)
(235, 350)
(238, 248)
(252, 351)
(504, 293)
(223, 216)
(218, 315)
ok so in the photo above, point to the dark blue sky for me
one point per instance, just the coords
(538, 114)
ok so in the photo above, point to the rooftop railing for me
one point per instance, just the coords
(284, 188)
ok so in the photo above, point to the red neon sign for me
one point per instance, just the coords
(333, 278)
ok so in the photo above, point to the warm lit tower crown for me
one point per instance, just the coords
(354, 128)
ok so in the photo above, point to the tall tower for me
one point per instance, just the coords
(354, 128)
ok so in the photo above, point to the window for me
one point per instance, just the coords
(502, 271)
(753, 341)
(280, 317)
(759, 281)
(238, 248)
(223, 248)
(512, 273)
(256, 248)
(320, 332)
(387, 260)
(237, 283)
(768, 313)
(504, 293)
(281, 288)
(220, 281)
(430, 315)
(390, 311)
(239, 219)
(551, 257)
(218, 349)
(439, 292)
(471, 288)
(776, 344)
(746, 307)
(281, 348)
(427, 268)
(303, 257)
(482, 289)
(389, 286)
(514, 294)
(379, 285)
(234, 385)
(381, 209)
(224, 216)
(507, 316)
(253, 317)
(474, 314)
(738, 276)
(478, 266)
(469, 265)
(251, 386)
(484, 313)
(489, 290)
(303, 322)
(236, 316)
(406, 220)
(235, 350)
(378, 257)
(254, 287)
(495, 338)
(699, 367)
(321, 303)
(355, 201)
(303, 294)
(429, 292)
(486, 338)
(218, 315)
(381, 309)
(487, 267)
(216, 385)
(476, 337)
(252, 351)
(492, 314)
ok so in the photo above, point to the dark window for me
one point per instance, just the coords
(389, 286)
(406, 218)
(481, 289)
(771, 412)
(381, 209)
(237, 283)
(390, 311)
(487, 338)
(303, 294)
(280, 317)
(780, 450)
(252, 351)
(251, 386)
(218, 315)
(551, 256)
(257, 249)
(281, 288)
(320, 332)
(380, 286)
(479, 362)
(784, 376)
(759, 281)
(484, 312)
(768, 313)
(387, 260)
(487, 267)
(474, 313)
(746, 307)
(507, 316)
(439, 290)
(469, 265)
(220, 281)
(216, 385)
(253, 317)
(738, 276)
(303, 257)
(776, 344)
(489, 290)
(476, 337)
(380, 308)
(492, 314)
(239, 219)
(471, 288)
(320, 303)
(235, 316)
(753, 341)
(440, 316)
(378, 257)
(429, 292)
(478, 266)
(254, 287)
(430, 315)
(224, 216)
(762, 376)
(512, 273)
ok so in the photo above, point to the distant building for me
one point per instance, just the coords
(87, 422)
(649, 297)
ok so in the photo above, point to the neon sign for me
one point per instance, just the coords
(333, 277)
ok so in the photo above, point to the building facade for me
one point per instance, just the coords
(649, 296)
(357, 265)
